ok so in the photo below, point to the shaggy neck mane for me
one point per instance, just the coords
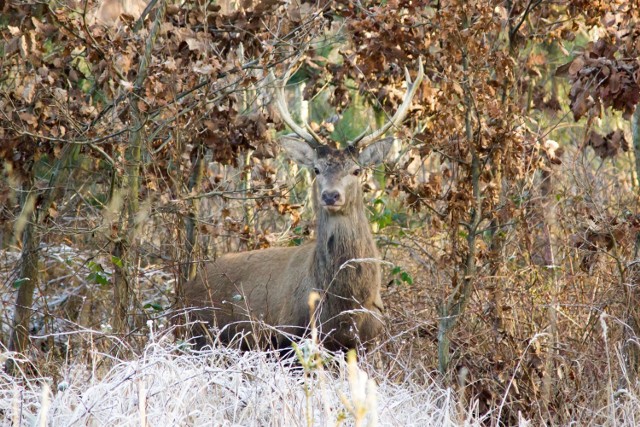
(342, 237)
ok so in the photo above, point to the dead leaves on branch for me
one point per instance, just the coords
(604, 235)
(69, 81)
(600, 79)
(75, 94)
(228, 134)
(385, 37)
(609, 145)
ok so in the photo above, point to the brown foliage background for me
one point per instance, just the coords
(510, 210)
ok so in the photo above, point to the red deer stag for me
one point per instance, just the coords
(263, 291)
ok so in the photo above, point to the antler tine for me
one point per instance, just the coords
(364, 140)
(307, 134)
(357, 139)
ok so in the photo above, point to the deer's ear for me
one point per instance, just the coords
(375, 153)
(298, 150)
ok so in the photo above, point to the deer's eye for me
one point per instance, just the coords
(316, 171)
(357, 172)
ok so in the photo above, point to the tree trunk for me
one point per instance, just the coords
(548, 218)
(128, 186)
(27, 278)
(455, 305)
(190, 221)
(631, 348)
(635, 134)
(27, 225)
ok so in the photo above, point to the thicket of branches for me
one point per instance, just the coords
(132, 150)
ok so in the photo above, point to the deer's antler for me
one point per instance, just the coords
(366, 138)
(305, 133)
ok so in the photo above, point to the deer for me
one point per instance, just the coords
(249, 293)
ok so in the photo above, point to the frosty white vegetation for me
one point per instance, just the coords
(167, 386)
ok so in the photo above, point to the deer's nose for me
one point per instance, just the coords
(330, 198)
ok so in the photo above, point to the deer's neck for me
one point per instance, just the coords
(346, 238)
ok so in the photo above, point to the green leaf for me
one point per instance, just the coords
(403, 276)
(98, 278)
(117, 262)
(82, 65)
(85, 85)
(94, 266)
(19, 282)
(153, 305)
(406, 278)
(384, 219)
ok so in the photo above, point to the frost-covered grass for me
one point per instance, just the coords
(167, 386)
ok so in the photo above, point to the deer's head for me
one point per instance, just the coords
(338, 171)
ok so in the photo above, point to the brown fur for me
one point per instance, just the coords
(272, 286)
